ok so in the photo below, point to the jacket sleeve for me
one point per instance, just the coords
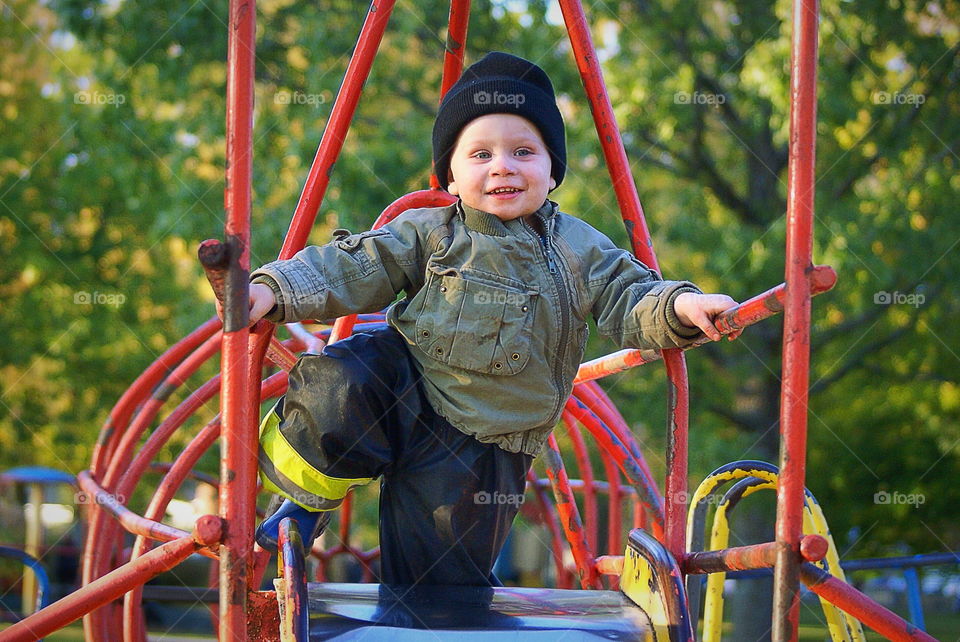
(631, 303)
(354, 273)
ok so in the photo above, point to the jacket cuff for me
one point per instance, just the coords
(276, 312)
(681, 330)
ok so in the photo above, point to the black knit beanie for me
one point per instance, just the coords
(499, 83)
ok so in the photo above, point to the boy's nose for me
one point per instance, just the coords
(502, 165)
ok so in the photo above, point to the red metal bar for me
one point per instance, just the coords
(796, 322)
(103, 535)
(599, 403)
(586, 474)
(453, 55)
(649, 494)
(111, 586)
(113, 428)
(837, 592)
(754, 309)
(130, 520)
(238, 441)
(740, 558)
(629, 201)
(336, 130)
(550, 520)
(569, 515)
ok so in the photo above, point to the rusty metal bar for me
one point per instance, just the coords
(111, 586)
(569, 515)
(796, 322)
(648, 492)
(582, 456)
(878, 618)
(238, 440)
(738, 558)
(629, 201)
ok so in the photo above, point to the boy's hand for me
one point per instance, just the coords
(261, 302)
(699, 311)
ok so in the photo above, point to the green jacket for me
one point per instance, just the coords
(494, 312)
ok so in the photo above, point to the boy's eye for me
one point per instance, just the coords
(523, 151)
(482, 155)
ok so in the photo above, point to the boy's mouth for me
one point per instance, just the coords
(504, 190)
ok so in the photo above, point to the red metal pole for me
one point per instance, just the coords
(632, 212)
(453, 54)
(885, 622)
(239, 436)
(336, 130)
(796, 331)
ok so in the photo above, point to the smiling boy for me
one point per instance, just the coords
(449, 402)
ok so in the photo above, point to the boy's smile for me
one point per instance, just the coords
(502, 166)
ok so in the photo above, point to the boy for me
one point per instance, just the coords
(450, 403)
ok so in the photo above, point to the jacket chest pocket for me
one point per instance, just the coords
(474, 324)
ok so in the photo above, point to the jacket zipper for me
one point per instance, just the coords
(564, 311)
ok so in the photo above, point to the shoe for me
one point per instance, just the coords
(310, 523)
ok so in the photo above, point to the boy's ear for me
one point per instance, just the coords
(553, 183)
(452, 184)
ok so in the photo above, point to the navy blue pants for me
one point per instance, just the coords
(356, 412)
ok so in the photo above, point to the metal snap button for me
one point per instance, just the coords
(425, 334)
(440, 351)
(515, 356)
(498, 365)
(524, 308)
(443, 288)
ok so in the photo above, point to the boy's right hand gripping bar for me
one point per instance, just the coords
(215, 257)
(822, 278)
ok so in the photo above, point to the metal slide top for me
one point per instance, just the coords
(377, 612)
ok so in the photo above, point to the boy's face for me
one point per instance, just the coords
(501, 165)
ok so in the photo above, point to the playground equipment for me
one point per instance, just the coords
(653, 601)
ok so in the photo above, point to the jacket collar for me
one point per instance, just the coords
(488, 224)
